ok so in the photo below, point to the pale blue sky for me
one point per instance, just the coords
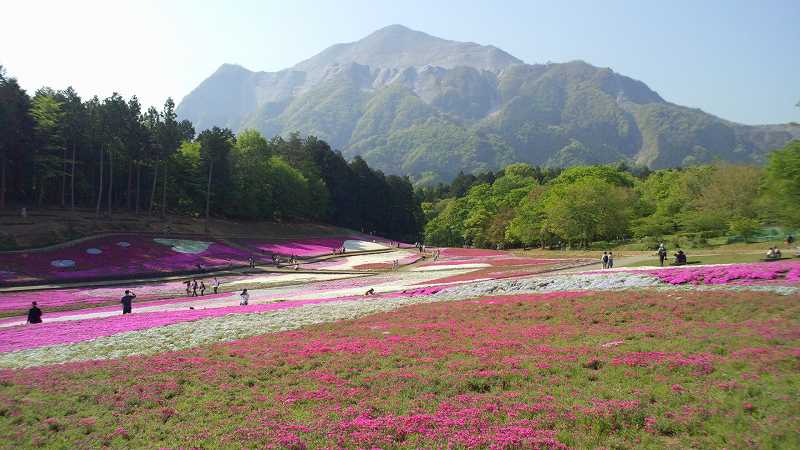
(737, 59)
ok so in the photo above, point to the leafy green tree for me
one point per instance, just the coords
(781, 187)
(447, 228)
(75, 124)
(586, 210)
(170, 134)
(291, 194)
(608, 174)
(252, 179)
(527, 225)
(744, 227)
(215, 147)
(49, 160)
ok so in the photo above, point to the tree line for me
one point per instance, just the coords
(58, 149)
(530, 206)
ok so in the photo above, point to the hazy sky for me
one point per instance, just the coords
(736, 59)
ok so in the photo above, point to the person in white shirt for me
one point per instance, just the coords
(245, 298)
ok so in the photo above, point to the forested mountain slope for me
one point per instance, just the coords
(414, 104)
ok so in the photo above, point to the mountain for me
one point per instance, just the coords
(411, 103)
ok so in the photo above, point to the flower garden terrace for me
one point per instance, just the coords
(475, 349)
(115, 256)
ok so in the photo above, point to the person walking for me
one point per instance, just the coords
(215, 285)
(662, 255)
(245, 298)
(127, 302)
(194, 288)
(188, 284)
(604, 260)
(202, 287)
(34, 314)
(610, 260)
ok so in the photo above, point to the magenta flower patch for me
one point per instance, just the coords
(297, 247)
(733, 273)
(115, 256)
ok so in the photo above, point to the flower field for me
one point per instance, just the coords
(560, 370)
(476, 350)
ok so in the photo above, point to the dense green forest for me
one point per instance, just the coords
(525, 205)
(57, 149)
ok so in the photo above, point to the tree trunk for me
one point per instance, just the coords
(100, 189)
(153, 190)
(41, 191)
(129, 195)
(208, 192)
(3, 181)
(72, 181)
(110, 180)
(138, 184)
(164, 193)
(64, 177)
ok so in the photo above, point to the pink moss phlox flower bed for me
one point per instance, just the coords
(724, 274)
(61, 298)
(69, 331)
(142, 255)
(525, 371)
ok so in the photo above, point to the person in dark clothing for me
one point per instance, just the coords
(34, 314)
(194, 288)
(662, 255)
(127, 302)
(188, 284)
(202, 287)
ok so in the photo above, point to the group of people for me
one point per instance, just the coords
(774, 253)
(420, 247)
(192, 286)
(607, 260)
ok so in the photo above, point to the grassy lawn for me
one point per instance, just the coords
(639, 369)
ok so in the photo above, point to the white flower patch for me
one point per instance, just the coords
(360, 246)
(93, 251)
(62, 263)
(351, 262)
(184, 245)
(572, 282)
(123, 244)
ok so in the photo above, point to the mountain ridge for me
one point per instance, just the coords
(414, 104)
